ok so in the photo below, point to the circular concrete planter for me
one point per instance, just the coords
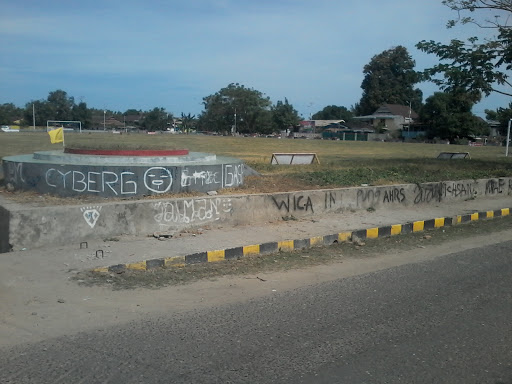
(121, 173)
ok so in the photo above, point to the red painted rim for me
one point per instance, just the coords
(128, 152)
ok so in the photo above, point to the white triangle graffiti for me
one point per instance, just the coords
(91, 215)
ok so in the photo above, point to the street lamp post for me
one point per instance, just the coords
(409, 126)
(104, 114)
(409, 121)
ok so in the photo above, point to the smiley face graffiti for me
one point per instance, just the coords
(158, 179)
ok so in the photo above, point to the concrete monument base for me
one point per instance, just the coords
(112, 173)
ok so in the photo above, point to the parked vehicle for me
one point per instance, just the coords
(6, 128)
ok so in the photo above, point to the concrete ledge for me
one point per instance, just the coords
(26, 226)
(66, 174)
(212, 256)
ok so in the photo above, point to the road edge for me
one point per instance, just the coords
(212, 256)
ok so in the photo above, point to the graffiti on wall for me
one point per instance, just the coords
(386, 195)
(91, 215)
(381, 196)
(368, 196)
(294, 203)
(496, 186)
(157, 180)
(427, 193)
(288, 203)
(191, 211)
(199, 178)
(233, 175)
(330, 199)
(123, 183)
(15, 172)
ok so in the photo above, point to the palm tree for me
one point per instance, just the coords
(187, 121)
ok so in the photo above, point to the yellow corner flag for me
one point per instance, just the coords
(56, 135)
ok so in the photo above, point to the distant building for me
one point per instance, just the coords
(113, 123)
(494, 128)
(321, 125)
(306, 126)
(133, 119)
(390, 117)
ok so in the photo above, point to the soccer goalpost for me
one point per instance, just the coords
(54, 124)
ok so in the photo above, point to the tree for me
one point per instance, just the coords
(448, 116)
(42, 112)
(60, 105)
(333, 112)
(187, 122)
(502, 115)
(9, 113)
(132, 112)
(236, 106)
(389, 78)
(479, 66)
(156, 119)
(81, 113)
(57, 106)
(284, 115)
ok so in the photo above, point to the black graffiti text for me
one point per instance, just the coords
(330, 200)
(494, 187)
(368, 196)
(295, 203)
(394, 195)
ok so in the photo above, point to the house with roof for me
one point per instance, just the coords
(133, 119)
(112, 122)
(314, 128)
(321, 125)
(390, 117)
(495, 128)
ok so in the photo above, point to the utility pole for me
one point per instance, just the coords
(409, 125)
(508, 137)
(34, 116)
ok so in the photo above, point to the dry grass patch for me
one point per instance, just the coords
(343, 164)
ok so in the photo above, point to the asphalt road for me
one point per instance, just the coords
(447, 320)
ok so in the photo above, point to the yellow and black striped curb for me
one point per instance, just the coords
(290, 245)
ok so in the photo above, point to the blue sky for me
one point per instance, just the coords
(143, 54)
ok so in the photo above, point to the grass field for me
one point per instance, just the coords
(341, 163)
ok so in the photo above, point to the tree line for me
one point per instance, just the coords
(467, 70)
(234, 107)
(58, 106)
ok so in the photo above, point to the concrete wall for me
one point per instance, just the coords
(4, 230)
(127, 180)
(34, 227)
